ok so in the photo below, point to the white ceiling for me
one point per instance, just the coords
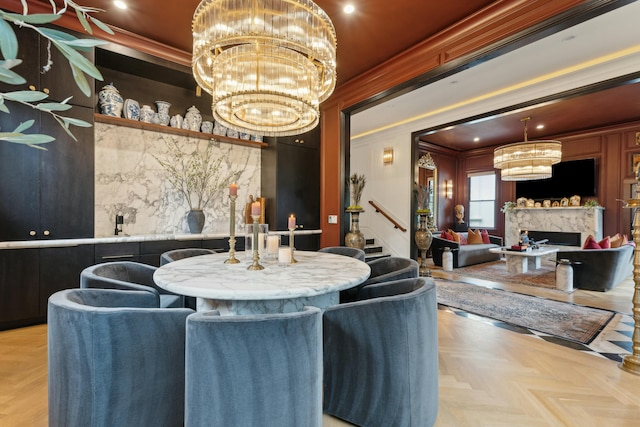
(605, 47)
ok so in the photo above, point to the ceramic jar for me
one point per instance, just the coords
(447, 259)
(564, 275)
(146, 114)
(163, 112)
(193, 118)
(207, 127)
(176, 121)
(131, 109)
(110, 101)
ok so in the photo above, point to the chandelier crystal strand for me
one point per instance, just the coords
(527, 160)
(268, 64)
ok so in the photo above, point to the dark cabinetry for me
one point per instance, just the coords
(291, 180)
(47, 194)
(29, 276)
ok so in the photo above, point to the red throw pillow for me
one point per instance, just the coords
(445, 235)
(463, 239)
(485, 236)
(591, 243)
(605, 243)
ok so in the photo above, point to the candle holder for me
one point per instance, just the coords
(232, 233)
(256, 253)
(293, 260)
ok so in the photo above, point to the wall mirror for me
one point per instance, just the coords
(428, 176)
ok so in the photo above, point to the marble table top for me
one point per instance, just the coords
(207, 276)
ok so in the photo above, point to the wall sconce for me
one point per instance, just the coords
(387, 156)
(448, 189)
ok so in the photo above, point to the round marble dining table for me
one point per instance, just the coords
(316, 279)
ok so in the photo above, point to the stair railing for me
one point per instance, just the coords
(386, 215)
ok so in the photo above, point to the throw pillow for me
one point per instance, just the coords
(605, 243)
(616, 240)
(446, 235)
(474, 237)
(591, 243)
(485, 236)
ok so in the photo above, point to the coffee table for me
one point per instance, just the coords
(521, 262)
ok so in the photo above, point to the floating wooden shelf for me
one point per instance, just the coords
(118, 121)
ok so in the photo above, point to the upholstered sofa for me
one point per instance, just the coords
(464, 255)
(599, 269)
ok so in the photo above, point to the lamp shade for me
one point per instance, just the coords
(267, 64)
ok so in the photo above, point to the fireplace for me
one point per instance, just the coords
(568, 226)
(558, 238)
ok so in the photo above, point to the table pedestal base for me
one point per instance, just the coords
(519, 265)
(248, 307)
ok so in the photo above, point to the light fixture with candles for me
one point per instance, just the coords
(387, 156)
(267, 65)
(527, 160)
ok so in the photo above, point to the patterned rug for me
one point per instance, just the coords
(569, 321)
(544, 277)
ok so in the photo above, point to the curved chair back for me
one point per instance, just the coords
(381, 356)
(178, 254)
(128, 275)
(258, 370)
(384, 270)
(115, 359)
(345, 250)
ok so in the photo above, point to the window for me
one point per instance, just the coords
(482, 200)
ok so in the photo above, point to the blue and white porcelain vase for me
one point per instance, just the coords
(110, 101)
(146, 114)
(176, 121)
(163, 112)
(131, 109)
(207, 127)
(193, 118)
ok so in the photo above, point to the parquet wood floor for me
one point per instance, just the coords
(489, 377)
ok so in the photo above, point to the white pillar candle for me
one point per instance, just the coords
(273, 242)
(284, 255)
(261, 243)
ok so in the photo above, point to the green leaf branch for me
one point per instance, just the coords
(197, 175)
(69, 46)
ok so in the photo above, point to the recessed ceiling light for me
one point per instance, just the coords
(349, 8)
(476, 139)
(540, 127)
(120, 4)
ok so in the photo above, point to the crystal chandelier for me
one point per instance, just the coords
(267, 64)
(527, 160)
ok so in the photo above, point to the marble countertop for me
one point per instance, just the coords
(59, 243)
(208, 276)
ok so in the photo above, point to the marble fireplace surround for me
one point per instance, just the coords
(581, 220)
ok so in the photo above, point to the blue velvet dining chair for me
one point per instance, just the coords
(128, 275)
(178, 254)
(257, 370)
(381, 356)
(356, 253)
(384, 270)
(115, 359)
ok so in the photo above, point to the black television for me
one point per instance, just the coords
(573, 177)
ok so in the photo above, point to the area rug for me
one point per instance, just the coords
(496, 271)
(569, 321)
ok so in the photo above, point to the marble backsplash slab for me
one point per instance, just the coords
(129, 181)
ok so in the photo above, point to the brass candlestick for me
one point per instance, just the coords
(232, 233)
(256, 254)
(631, 362)
(293, 260)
